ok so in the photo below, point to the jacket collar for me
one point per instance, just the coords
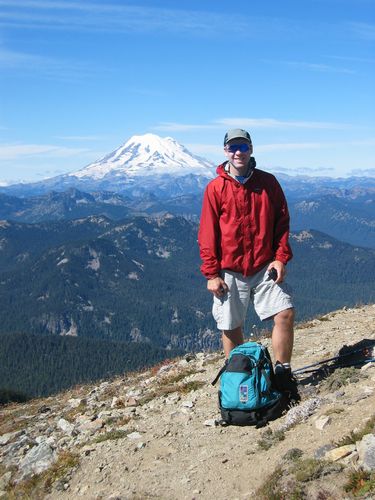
(223, 170)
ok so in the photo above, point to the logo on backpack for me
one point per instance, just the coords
(247, 395)
(244, 393)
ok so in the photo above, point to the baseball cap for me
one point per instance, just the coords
(236, 133)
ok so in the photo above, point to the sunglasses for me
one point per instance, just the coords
(233, 148)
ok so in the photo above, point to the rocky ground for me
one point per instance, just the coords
(154, 435)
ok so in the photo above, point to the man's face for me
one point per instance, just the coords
(239, 159)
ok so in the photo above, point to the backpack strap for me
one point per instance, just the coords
(221, 371)
(268, 380)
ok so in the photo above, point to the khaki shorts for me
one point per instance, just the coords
(267, 297)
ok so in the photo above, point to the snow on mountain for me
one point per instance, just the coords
(147, 155)
(146, 165)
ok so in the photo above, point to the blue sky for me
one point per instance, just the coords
(78, 78)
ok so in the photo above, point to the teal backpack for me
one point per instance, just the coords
(247, 395)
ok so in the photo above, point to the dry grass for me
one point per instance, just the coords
(360, 483)
(173, 383)
(155, 369)
(269, 438)
(353, 437)
(291, 480)
(39, 485)
(112, 436)
(341, 377)
(71, 414)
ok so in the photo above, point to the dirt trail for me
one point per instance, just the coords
(172, 451)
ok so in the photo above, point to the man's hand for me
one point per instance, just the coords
(217, 286)
(280, 269)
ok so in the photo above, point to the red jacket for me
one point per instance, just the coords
(243, 226)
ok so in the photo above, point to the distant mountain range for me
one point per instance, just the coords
(345, 217)
(151, 175)
(138, 280)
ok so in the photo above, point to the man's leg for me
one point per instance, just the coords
(231, 339)
(282, 346)
(282, 335)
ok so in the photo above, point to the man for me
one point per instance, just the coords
(243, 240)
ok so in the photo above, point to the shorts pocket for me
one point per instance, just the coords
(217, 309)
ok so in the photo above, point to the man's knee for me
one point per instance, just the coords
(285, 317)
(235, 335)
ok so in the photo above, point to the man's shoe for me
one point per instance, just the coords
(286, 383)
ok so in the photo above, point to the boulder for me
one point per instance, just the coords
(366, 452)
(38, 459)
(339, 453)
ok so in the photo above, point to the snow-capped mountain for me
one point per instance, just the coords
(144, 164)
(147, 155)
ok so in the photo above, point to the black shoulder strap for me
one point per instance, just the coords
(221, 371)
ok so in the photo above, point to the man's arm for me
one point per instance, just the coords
(209, 234)
(283, 252)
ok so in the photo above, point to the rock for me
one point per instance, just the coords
(134, 435)
(341, 452)
(49, 440)
(13, 449)
(91, 426)
(165, 369)
(38, 459)
(367, 366)
(322, 422)
(190, 357)
(339, 394)
(74, 402)
(131, 401)
(351, 460)
(87, 450)
(188, 404)
(65, 426)
(10, 436)
(5, 480)
(115, 401)
(366, 452)
(368, 390)
(301, 412)
(211, 422)
(320, 452)
(44, 409)
(172, 399)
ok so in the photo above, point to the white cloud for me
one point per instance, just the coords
(303, 170)
(253, 123)
(183, 127)
(47, 66)
(17, 151)
(102, 16)
(289, 146)
(365, 31)
(319, 67)
(273, 123)
(88, 138)
(205, 149)
(370, 172)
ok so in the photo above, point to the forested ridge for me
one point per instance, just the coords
(86, 299)
(34, 365)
